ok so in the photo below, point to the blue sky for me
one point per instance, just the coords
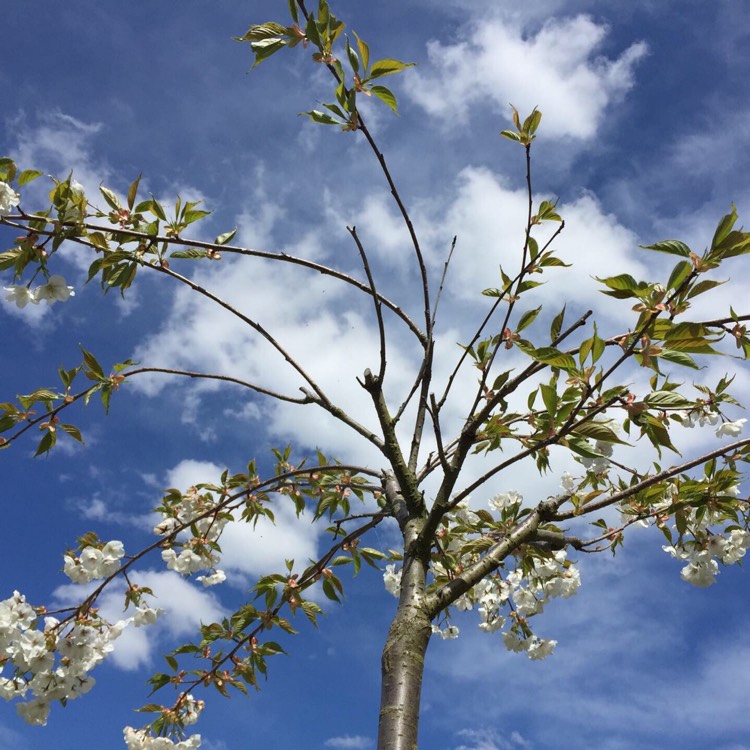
(645, 136)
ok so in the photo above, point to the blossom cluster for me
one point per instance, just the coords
(703, 554)
(30, 651)
(704, 546)
(197, 553)
(55, 290)
(94, 563)
(139, 739)
(705, 417)
(524, 590)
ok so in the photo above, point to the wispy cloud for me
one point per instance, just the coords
(350, 742)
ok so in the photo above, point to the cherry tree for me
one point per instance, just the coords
(598, 395)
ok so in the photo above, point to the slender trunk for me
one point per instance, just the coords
(403, 656)
(403, 666)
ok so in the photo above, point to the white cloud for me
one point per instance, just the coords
(490, 739)
(497, 61)
(350, 742)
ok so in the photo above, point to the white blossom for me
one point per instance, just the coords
(187, 561)
(94, 563)
(146, 616)
(9, 199)
(34, 712)
(539, 648)
(55, 290)
(392, 580)
(446, 634)
(21, 295)
(505, 500)
(137, 739)
(732, 429)
(215, 578)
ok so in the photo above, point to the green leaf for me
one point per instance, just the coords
(528, 318)
(549, 396)
(46, 443)
(7, 169)
(222, 239)
(548, 355)
(321, 117)
(724, 227)
(73, 431)
(703, 286)
(194, 215)
(622, 286)
(597, 431)
(556, 326)
(364, 52)
(662, 399)
(353, 59)
(679, 273)
(27, 176)
(156, 209)
(387, 67)
(734, 244)
(191, 252)
(385, 95)
(92, 364)
(111, 198)
(133, 191)
(671, 247)
(511, 135)
(679, 358)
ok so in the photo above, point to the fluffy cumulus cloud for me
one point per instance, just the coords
(488, 216)
(555, 67)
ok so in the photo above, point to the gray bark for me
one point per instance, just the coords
(404, 654)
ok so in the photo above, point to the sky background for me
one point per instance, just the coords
(645, 136)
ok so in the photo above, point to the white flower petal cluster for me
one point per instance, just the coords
(537, 648)
(138, 739)
(730, 429)
(94, 563)
(186, 561)
(55, 290)
(506, 500)
(31, 652)
(701, 569)
(448, 633)
(392, 580)
(600, 464)
(9, 199)
(218, 576)
(146, 616)
(702, 566)
(194, 554)
(700, 417)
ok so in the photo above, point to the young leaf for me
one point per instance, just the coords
(672, 247)
(387, 67)
(27, 176)
(385, 95)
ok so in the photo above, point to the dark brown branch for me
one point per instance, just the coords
(378, 309)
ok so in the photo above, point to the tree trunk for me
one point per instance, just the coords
(402, 668)
(403, 660)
